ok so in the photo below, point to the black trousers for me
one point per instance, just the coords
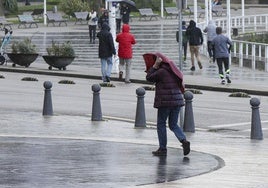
(92, 32)
(223, 61)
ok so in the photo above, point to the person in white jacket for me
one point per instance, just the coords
(92, 25)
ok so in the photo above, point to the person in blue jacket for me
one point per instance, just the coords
(222, 46)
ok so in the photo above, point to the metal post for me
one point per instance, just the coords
(180, 7)
(47, 106)
(96, 106)
(256, 129)
(140, 120)
(189, 125)
(112, 23)
(45, 12)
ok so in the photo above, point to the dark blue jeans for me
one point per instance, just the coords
(172, 114)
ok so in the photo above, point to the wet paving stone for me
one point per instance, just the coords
(48, 162)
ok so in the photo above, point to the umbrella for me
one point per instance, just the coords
(129, 3)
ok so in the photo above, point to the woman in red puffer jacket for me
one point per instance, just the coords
(125, 40)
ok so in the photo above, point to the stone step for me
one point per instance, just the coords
(150, 38)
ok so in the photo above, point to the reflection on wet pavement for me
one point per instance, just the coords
(71, 151)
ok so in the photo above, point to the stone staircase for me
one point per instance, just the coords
(153, 37)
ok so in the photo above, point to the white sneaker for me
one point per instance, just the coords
(223, 82)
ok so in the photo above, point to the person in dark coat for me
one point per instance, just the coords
(125, 40)
(125, 12)
(168, 100)
(106, 51)
(195, 37)
(104, 18)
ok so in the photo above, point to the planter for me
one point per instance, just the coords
(22, 59)
(59, 62)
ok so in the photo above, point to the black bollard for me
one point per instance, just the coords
(256, 129)
(47, 107)
(188, 125)
(96, 106)
(140, 120)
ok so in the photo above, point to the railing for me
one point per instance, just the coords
(246, 54)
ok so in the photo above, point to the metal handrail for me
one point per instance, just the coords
(249, 54)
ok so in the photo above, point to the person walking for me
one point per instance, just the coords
(211, 34)
(125, 12)
(104, 18)
(222, 46)
(184, 39)
(125, 40)
(118, 18)
(92, 25)
(106, 51)
(168, 100)
(195, 37)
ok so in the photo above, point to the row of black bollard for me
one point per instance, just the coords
(140, 119)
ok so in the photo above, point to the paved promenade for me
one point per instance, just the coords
(70, 150)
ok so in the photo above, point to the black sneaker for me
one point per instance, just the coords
(108, 79)
(192, 68)
(228, 80)
(186, 147)
(160, 152)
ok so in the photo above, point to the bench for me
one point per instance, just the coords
(171, 11)
(147, 13)
(218, 10)
(81, 17)
(26, 20)
(55, 18)
(38, 13)
(200, 11)
(4, 22)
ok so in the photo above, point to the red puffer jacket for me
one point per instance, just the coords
(125, 40)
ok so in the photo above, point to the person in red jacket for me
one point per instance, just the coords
(125, 40)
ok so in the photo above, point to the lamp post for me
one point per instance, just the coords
(110, 5)
(180, 6)
(45, 12)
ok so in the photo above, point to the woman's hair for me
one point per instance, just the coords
(218, 30)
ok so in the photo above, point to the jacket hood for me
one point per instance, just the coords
(150, 58)
(105, 26)
(125, 28)
(192, 23)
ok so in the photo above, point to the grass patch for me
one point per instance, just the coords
(66, 82)
(29, 79)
